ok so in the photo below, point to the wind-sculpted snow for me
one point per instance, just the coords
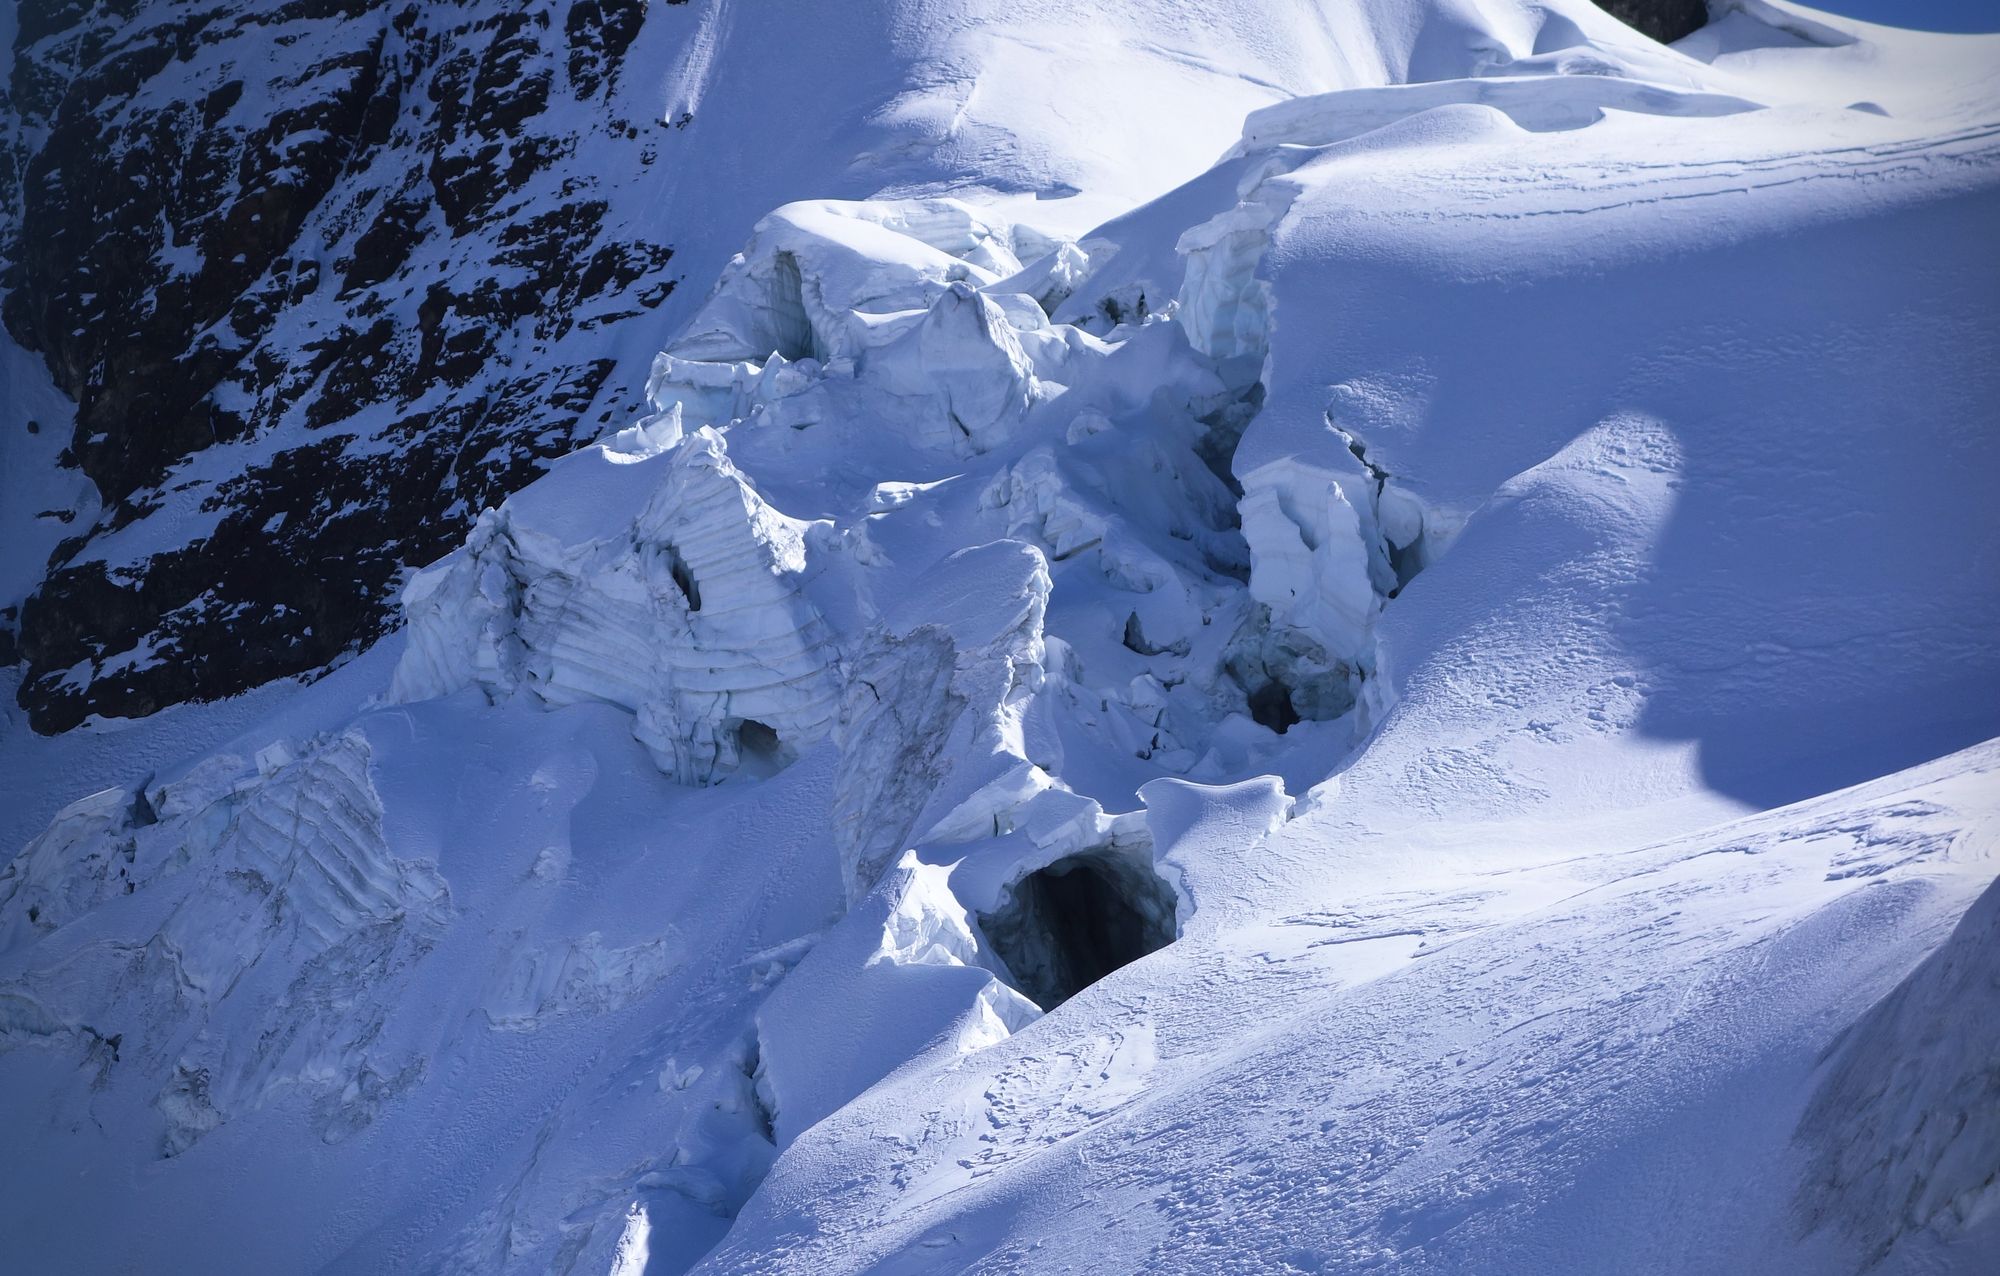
(1311, 726)
(908, 973)
(1572, 96)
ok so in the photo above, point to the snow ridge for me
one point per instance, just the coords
(1906, 1120)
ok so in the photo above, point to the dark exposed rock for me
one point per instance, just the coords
(599, 33)
(369, 245)
(1664, 20)
(386, 244)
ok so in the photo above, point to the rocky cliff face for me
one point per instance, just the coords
(324, 279)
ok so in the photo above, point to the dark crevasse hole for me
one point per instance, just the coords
(1271, 706)
(1136, 641)
(1128, 304)
(758, 748)
(1225, 426)
(684, 578)
(1286, 677)
(791, 334)
(1069, 925)
(1406, 561)
(756, 1097)
(1360, 451)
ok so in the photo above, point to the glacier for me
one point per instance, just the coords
(1405, 686)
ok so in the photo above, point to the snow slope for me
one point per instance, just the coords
(1583, 1058)
(1413, 699)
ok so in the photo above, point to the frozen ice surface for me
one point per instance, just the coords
(1391, 675)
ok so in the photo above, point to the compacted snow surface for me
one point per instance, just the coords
(1399, 687)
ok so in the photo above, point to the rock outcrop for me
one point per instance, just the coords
(324, 280)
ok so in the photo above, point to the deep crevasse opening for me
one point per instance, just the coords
(1064, 927)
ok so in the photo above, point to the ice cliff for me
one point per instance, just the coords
(691, 617)
(895, 330)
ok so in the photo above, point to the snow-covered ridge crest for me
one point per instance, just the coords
(1571, 99)
(1905, 1122)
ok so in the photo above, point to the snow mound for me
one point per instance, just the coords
(1572, 98)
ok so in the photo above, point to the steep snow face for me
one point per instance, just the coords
(1905, 1124)
(1228, 730)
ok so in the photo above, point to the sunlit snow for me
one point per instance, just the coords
(1402, 682)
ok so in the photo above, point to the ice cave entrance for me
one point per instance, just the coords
(759, 752)
(1066, 926)
(1271, 706)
